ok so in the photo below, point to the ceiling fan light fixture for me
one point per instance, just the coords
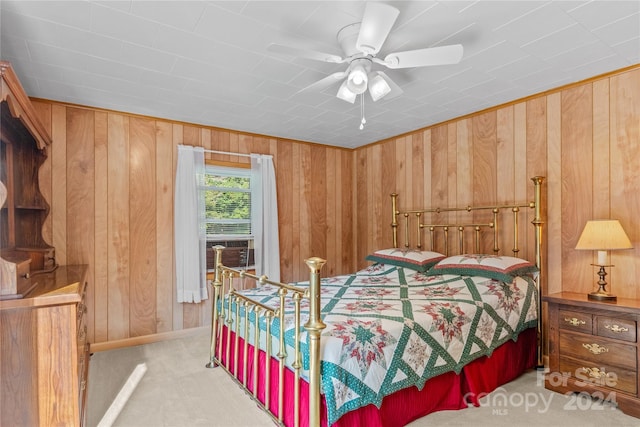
(345, 94)
(378, 87)
(357, 80)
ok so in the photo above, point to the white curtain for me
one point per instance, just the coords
(190, 228)
(264, 217)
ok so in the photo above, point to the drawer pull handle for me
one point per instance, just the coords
(595, 372)
(595, 348)
(616, 328)
(574, 321)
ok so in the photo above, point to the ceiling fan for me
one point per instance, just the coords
(361, 43)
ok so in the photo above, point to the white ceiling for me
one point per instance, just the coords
(206, 62)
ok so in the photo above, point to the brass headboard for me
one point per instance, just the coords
(413, 225)
(413, 219)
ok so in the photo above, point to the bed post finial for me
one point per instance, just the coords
(314, 327)
(217, 283)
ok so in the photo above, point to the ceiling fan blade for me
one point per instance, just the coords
(325, 82)
(442, 55)
(375, 26)
(305, 53)
(395, 89)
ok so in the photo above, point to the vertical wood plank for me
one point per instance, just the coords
(164, 227)
(339, 211)
(118, 226)
(362, 215)
(404, 198)
(387, 176)
(80, 186)
(439, 173)
(81, 198)
(296, 224)
(101, 252)
(577, 184)
(330, 213)
(205, 138)
(178, 311)
(553, 226)
(306, 218)
(452, 174)
(142, 222)
(426, 174)
(376, 196)
(521, 181)
(317, 196)
(284, 181)
(349, 214)
(601, 174)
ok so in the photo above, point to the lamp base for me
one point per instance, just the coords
(601, 296)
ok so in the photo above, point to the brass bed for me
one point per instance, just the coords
(281, 368)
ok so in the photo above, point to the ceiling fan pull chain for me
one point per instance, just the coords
(363, 121)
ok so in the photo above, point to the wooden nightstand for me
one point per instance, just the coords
(593, 348)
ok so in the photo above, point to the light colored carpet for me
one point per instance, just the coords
(178, 391)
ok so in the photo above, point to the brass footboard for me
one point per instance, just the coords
(223, 284)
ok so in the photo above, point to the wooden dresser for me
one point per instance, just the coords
(593, 348)
(44, 352)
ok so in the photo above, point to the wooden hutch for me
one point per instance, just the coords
(43, 348)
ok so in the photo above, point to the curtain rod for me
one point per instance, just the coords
(236, 154)
(227, 153)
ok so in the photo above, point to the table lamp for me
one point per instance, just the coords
(603, 235)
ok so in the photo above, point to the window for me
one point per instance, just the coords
(228, 194)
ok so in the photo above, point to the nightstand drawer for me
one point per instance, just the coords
(598, 350)
(620, 329)
(575, 321)
(600, 375)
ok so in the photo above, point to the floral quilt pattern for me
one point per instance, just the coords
(389, 328)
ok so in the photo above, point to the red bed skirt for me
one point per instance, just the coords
(445, 392)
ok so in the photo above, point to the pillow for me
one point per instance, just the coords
(408, 258)
(503, 268)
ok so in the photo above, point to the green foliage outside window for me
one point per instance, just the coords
(228, 205)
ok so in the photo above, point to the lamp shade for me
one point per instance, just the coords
(378, 87)
(345, 94)
(603, 234)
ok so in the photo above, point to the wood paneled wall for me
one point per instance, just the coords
(585, 139)
(109, 179)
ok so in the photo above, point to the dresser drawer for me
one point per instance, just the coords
(598, 350)
(600, 375)
(620, 329)
(575, 321)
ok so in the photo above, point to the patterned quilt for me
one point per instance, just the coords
(389, 328)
